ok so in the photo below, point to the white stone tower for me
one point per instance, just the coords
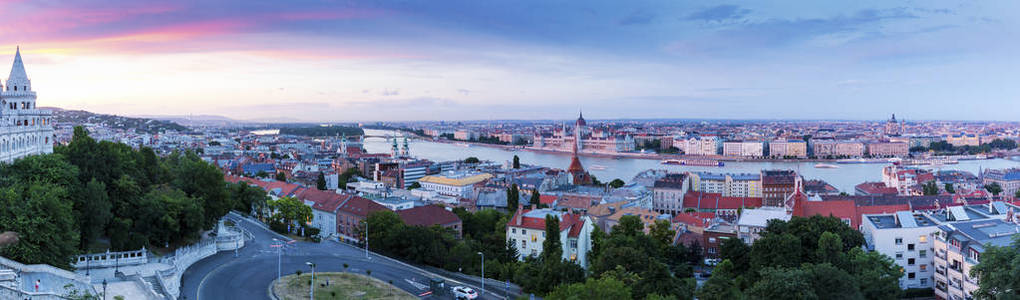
(24, 129)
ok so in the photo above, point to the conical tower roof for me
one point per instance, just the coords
(18, 73)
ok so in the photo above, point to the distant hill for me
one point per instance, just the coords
(140, 125)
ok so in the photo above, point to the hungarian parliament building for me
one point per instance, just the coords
(24, 130)
(584, 139)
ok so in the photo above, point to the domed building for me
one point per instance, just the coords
(24, 129)
(584, 139)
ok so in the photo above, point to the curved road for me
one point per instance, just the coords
(248, 275)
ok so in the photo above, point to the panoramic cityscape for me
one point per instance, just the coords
(509, 150)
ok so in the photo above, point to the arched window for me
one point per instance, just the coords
(15, 88)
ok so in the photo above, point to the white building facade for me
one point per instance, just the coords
(24, 129)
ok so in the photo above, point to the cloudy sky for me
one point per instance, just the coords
(480, 60)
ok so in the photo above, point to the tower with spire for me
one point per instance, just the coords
(576, 170)
(29, 129)
(406, 151)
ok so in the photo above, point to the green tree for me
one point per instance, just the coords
(280, 176)
(997, 270)
(517, 162)
(776, 250)
(662, 232)
(721, 286)
(930, 188)
(629, 226)
(617, 183)
(290, 210)
(201, 180)
(536, 198)
(320, 183)
(248, 199)
(950, 189)
(552, 248)
(605, 288)
(658, 280)
(830, 282)
(472, 160)
(782, 283)
(94, 211)
(414, 185)
(877, 275)
(43, 217)
(994, 188)
(513, 196)
(738, 253)
(830, 249)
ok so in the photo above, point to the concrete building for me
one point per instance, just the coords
(1008, 179)
(753, 221)
(24, 129)
(958, 248)
(788, 148)
(888, 149)
(526, 231)
(907, 238)
(702, 145)
(963, 139)
(729, 185)
(668, 193)
(831, 148)
(458, 184)
(776, 185)
(744, 148)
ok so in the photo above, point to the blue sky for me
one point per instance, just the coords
(457, 60)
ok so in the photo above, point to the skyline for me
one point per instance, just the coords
(469, 61)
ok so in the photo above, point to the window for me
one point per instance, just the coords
(899, 255)
(711, 240)
(922, 253)
(910, 261)
(924, 281)
(923, 239)
(573, 243)
(924, 268)
(899, 241)
(910, 247)
(911, 275)
(513, 230)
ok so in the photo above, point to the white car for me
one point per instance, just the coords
(463, 292)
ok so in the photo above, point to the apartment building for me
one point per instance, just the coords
(906, 237)
(729, 185)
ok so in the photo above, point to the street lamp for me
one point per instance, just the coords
(279, 257)
(483, 273)
(104, 288)
(366, 239)
(311, 287)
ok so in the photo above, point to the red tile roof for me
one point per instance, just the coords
(427, 216)
(547, 199)
(876, 188)
(361, 207)
(324, 200)
(701, 200)
(570, 221)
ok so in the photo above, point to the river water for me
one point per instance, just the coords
(844, 178)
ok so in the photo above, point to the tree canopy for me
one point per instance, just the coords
(88, 193)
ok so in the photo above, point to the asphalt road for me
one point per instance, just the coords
(248, 275)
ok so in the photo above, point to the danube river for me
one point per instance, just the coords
(844, 178)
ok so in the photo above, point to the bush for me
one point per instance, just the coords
(298, 272)
(918, 293)
(279, 227)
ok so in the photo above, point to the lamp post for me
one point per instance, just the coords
(104, 288)
(311, 287)
(483, 273)
(279, 256)
(366, 239)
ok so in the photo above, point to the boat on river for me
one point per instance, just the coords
(694, 162)
(826, 166)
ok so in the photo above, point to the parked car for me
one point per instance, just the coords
(463, 292)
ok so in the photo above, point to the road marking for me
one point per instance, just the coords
(420, 286)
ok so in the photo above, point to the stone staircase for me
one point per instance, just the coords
(154, 285)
